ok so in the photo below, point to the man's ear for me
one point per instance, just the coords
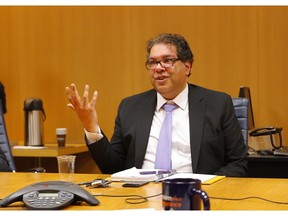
(188, 67)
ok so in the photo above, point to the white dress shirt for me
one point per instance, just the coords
(181, 153)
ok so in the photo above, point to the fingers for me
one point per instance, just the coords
(73, 96)
(75, 101)
(68, 92)
(85, 96)
(94, 99)
(84, 109)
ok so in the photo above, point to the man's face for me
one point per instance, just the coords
(169, 82)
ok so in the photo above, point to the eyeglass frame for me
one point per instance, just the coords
(161, 62)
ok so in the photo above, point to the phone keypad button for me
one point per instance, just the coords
(39, 200)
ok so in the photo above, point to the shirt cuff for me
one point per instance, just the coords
(93, 137)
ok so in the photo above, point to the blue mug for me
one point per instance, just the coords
(184, 194)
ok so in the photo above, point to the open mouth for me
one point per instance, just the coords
(161, 78)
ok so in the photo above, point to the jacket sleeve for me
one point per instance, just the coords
(236, 150)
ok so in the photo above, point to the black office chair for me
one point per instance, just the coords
(241, 111)
(6, 148)
(4, 141)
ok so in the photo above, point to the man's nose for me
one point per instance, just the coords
(159, 67)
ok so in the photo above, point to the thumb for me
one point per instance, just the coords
(71, 106)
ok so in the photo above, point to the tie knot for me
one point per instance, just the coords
(169, 107)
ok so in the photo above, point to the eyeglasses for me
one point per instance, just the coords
(165, 63)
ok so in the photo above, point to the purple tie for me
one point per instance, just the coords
(163, 154)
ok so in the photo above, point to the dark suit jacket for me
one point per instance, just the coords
(217, 144)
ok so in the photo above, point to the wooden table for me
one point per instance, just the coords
(26, 158)
(273, 189)
(49, 150)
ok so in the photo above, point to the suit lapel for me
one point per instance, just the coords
(144, 122)
(196, 121)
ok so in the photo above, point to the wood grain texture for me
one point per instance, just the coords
(45, 48)
(271, 189)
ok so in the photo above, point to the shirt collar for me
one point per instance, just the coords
(181, 99)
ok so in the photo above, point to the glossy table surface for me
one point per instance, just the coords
(49, 150)
(113, 197)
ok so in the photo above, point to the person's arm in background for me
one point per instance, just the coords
(3, 97)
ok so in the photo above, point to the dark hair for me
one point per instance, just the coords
(183, 50)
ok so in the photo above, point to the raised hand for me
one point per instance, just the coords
(84, 108)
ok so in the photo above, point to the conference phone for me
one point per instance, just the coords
(278, 150)
(50, 195)
(264, 131)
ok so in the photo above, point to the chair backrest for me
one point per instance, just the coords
(241, 111)
(4, 141)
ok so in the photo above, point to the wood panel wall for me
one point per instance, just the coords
(43, 49)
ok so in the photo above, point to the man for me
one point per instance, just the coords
(206, 135)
